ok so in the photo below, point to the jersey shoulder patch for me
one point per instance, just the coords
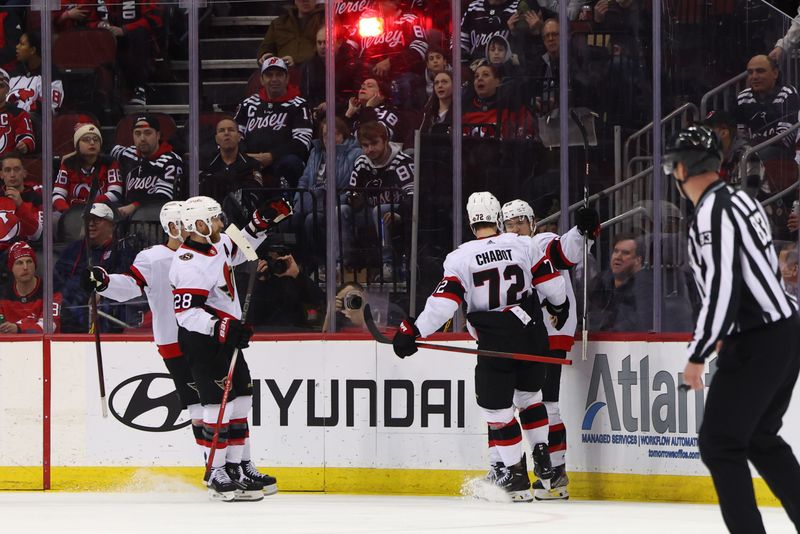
(186, 257)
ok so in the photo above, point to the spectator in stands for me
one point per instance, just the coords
(25, 87)
(546, 94)
(151, 170)
(435, 62)
(611, 15)
(136, 26)
(230, 177)
(20, 204)
(388, 173)
(397, 54)
(482, 20)
(788, 41)
(309, 205)
(16, 128)
(733, 149)
(787, 260)
(112, 255)
(371, 105)
(438, 118)
(79, 169)
(22, 299)
(293, 36)
(619, 299)
(312, 77)
(11, 27)
(489, 114)
(500, 55)
(276, 125)
(349, 308)
(285, 297)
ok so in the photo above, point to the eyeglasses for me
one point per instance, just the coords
(90, 139)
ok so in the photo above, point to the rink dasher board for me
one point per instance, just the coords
(349, 416)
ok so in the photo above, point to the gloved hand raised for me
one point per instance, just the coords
(233, 333)
(271, 213)
(95, 279)
(588, 222)
(405, 340)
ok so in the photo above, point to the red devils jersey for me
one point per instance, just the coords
(15, 126)
(402, 42)
(73, 183)
(484, 118)
(26, 310)
(133, 15)
(20, 222)
(349, 11)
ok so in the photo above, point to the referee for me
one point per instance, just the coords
(749, 320)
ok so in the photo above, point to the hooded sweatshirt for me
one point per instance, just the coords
(395, 178)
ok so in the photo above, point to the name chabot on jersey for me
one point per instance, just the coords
(493, 255)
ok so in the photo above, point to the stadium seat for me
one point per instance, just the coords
(64, 130)
(85, 61)
(124, 134)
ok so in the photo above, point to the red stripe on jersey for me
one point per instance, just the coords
(545, 278)
(558, 342)
(502, 425)
(505, 442)
(205, 443)
(238, 421)
(191, 291)
(561, 259)
(557, 428)
(136, 274)
(535, 424)
(172, 350)
(219, 313)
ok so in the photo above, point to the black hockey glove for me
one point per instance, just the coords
(588, 222)
(559, 313)
(271, 213)
(233, 333)
(405, 340)
(95, 279)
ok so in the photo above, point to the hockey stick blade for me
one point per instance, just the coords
(238, 238)
(378, 336)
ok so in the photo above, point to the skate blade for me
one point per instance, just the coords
(272, 489)
(553, 494)
(520, 496)
(225, 496)
(248, 495)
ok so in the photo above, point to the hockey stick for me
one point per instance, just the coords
(250, 254)
(378, 336)
(95, 187)
(585, 328)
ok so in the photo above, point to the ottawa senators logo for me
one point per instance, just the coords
(186, 257)
(230, 285)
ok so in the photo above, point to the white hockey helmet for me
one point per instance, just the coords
(199, 209)
(483, 207)
(518, 208)
(171, 213)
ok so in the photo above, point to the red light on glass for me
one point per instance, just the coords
(370, 26)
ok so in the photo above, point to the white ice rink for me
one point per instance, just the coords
(190, 512)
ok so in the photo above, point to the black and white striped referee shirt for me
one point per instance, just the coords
(735, 267)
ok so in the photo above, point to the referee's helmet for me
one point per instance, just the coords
(697, 147)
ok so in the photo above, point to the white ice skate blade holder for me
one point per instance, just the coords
(249, 495)
(228, 496)
(238, 238)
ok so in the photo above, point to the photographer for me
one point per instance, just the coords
(284, 296)
(349, 308)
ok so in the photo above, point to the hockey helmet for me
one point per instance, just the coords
(483, 207)
(517, 208)
(171, 213)
(199, 209)
(697, 147)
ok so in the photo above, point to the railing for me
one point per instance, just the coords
(642, 139)
(769, 142)
(720, 96)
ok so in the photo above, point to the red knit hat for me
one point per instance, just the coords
(18, 250)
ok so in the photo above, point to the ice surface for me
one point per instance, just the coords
(182, 510)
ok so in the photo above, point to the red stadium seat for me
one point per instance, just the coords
(84, 50)
(64, 130)
(124, 135)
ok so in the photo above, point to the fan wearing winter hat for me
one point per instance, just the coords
(22, 299)
(18, 135)
(78, 169)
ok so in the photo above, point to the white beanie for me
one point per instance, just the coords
(84, 129)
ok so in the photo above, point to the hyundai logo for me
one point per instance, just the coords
(152, 414)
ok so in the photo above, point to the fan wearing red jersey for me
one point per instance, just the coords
(20, 203)
(22, 300)
(16, 128)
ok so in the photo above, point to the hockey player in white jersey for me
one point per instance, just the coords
(565, 252)
(209, 313)
(494, 274)
(149, 275)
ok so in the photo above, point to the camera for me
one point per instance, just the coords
(277, 266)
(353, 301)
(280, 245)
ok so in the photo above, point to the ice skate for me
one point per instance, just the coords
(495, 472)
(514, 480)
(220, 485)
(269, 483)
(558, 486)
(542, 467)
(247, 489)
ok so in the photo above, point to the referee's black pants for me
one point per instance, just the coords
(748, 395)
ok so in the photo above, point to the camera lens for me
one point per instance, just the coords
(353, 301)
